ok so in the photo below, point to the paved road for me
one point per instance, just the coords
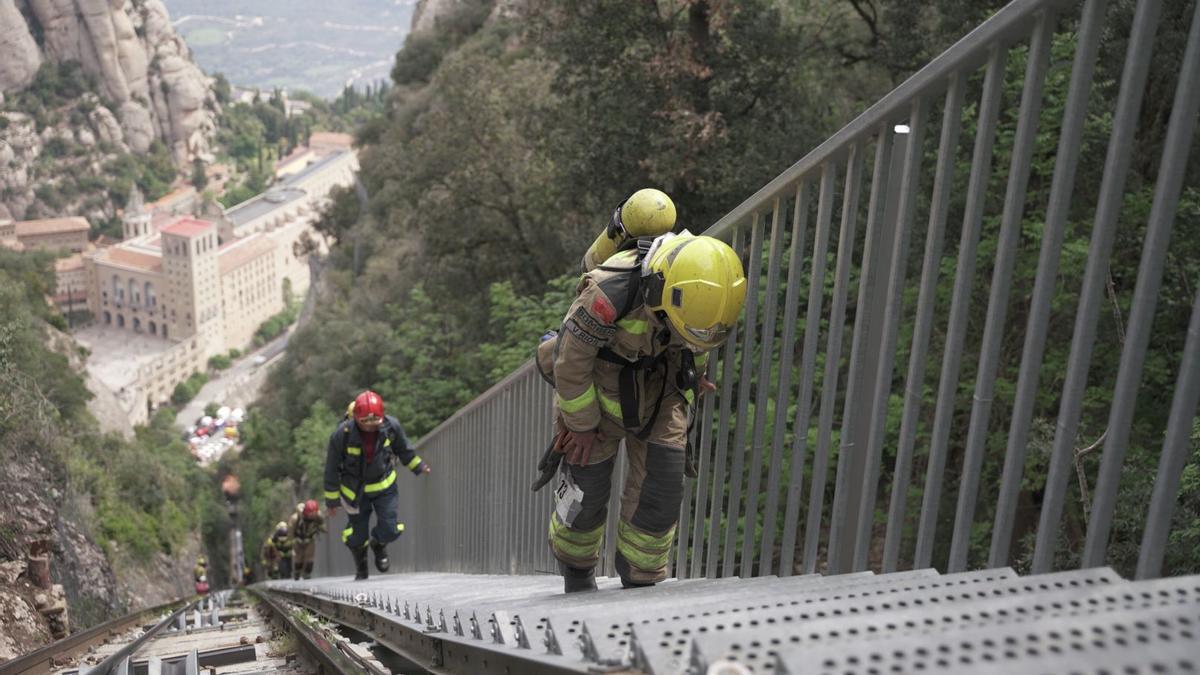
(236, 386)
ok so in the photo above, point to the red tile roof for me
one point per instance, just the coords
(188, 227)
(26, 228)
(329, 138)
(243, 251)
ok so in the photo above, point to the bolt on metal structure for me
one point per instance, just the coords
(803, 354)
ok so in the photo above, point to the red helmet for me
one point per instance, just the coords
(368, 404)
(310, 509)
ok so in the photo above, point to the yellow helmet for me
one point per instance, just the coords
(699, 284)
(281, 528)
(202, 561)
(646, 212)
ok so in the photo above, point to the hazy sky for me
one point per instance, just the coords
(318, 45)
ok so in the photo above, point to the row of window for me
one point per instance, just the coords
(136, 324)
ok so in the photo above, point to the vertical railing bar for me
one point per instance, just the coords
(1171, 172)
(617, 484)
(524, 409)
(1176, 448)
(854, 372)
(808, 363)
(717, 484)
(910, 181)
(1059, 205)
(766, 358)
(690, 487)
(539, 434)
(981, 167)
(508, 510)
(683, 531)
(787, 350)
(837, 324)
(744, 386)
(704, 453)
(488, 489)
(480, 540)
(536, 537)
(507, 507)
(1006, 253)
(1092, 289)
(496, 502)
(914, 383)
(728, 358)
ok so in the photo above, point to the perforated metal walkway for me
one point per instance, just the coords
(1089, 621)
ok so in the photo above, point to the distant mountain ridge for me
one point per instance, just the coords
(311, 45)
(147, 90)
(143, 67)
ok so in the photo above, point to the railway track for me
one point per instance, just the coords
(227, 633)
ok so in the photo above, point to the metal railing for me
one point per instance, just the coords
(758, 433)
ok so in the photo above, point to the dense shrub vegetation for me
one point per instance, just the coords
(505, 144)
(147, 495)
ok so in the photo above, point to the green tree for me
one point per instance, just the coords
(199, 177)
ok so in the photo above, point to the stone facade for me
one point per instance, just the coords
(251, 288)
(202, 285)
(53, 234)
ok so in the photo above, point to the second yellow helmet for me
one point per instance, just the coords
(698, 282)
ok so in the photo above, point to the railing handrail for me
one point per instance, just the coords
(479, 400)
(486, 520)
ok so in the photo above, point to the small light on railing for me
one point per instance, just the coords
(901, 129)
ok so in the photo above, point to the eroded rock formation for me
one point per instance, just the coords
(142, 66)
(148, 88)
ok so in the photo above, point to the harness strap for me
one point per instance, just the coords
(631, 408)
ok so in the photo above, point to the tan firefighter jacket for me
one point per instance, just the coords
(303, 530)
(609, 317)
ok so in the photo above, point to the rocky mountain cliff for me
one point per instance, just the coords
(146, 89)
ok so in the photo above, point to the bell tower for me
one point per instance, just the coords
(136, 220)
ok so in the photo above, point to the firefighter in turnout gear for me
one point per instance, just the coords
(200, 575)
(201, 568)
(360, 475)
(272, 554)
(627, 365)
(303, 528)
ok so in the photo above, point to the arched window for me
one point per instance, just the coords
(153, 328)
(137, 325)
(151, 301)
(120, 321)
(164, 330)
(107, 317)
(134, 294)
(118, 292)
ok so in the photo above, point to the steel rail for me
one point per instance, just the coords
(430, 644)
(327, 654)
(110, 664)
(40, 660)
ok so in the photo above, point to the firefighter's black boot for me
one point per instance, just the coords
(576, 580)
(381, 559)
(622, 566)
(360, 563)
